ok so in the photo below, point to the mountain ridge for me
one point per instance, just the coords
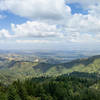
(14, 70)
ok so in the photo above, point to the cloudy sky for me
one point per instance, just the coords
(52, 24)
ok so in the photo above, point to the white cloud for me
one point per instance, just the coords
(36, 41)
(35, 29)
(37, 9)
(75, 28)
(84, 38)
(4, 34)
(79, 28)
(95, 11)
(83, 28)
(83, 24)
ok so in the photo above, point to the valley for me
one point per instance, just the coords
(18, 65)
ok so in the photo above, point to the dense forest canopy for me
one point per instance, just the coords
(65, 87)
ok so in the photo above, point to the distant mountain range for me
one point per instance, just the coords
(11, 69)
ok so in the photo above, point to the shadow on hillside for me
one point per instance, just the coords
(43, 67)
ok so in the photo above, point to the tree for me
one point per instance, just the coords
(12, 94)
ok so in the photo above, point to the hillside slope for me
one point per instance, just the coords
(12, 70)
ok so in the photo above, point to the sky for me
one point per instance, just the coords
(49, 24)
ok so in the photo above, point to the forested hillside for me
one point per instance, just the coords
(46, 88)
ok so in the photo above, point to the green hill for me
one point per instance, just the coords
(12, 70)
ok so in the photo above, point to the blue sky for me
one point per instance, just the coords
(77, 8)
(40, 24)
(10, 18)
